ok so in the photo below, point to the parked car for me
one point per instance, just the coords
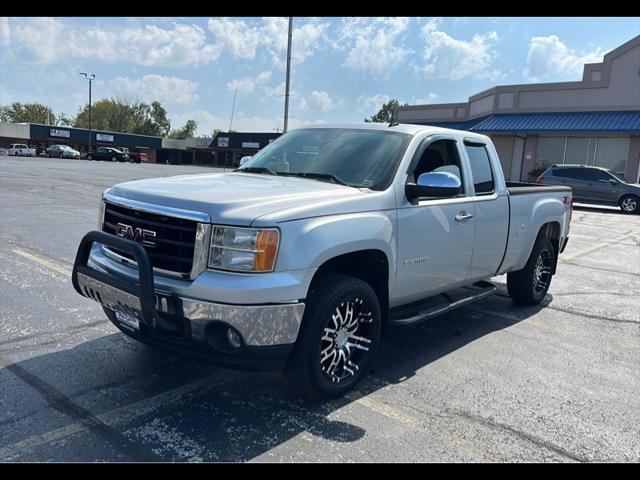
(61, 151)
(137, 157)
(20, 149)
(108, 153)
(594, 185)
(301, 261)
(4, 152)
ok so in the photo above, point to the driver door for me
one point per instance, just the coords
(435, 235)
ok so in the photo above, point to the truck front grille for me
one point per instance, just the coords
(174, 237)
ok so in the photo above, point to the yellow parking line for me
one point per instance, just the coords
(386, 410)
(120, 415)
(51, 265)
(579, 253)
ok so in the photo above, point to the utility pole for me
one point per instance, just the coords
(89, 77)
(286, 93)
(233, 109)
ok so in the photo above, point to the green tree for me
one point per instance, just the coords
(187, 131)
(28, 112)
(125, 115)
(385, 114)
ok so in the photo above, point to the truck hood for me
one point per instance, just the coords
(242, 198)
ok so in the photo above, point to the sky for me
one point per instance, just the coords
(343, 69)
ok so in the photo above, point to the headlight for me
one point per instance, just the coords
(244, 249)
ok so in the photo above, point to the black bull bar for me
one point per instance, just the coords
(142, 289)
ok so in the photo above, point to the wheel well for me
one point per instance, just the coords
(627, 195)
(551, 231)
(371, 266)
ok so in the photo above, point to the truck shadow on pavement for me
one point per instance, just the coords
(120, 392)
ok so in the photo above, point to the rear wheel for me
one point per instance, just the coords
(89, 157)
(339, 335)
(630, 204)
(530, 285)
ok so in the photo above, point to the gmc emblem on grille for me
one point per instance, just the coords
(140, 235)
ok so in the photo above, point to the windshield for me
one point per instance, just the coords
(358, 158)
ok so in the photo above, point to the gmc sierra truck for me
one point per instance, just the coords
(301, 259)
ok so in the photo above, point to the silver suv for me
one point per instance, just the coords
(594, 185)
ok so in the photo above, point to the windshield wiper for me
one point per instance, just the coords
(256, 170)
(318, 176)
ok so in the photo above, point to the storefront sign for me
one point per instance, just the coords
(56, 132)
(103, 137)
(250, 145)
(223, 142)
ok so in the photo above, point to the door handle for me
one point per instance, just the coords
(463, 216)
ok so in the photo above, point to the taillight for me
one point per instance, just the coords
(565, 200)
(540, 179)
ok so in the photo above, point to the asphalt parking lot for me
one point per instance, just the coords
(490, 382)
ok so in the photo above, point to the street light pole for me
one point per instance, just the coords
(89, 77)
(286, 93)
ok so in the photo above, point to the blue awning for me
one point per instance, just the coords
(578, 122)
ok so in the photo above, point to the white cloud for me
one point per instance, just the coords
(321, 100)
(372, 103)
(46, 40)
(550, 59)
(156, 87)
(5, 96)
(453, 59)
(249, 84)
(373, 48)
(5, 33)
(243, 40)
(236, 35)
(430, 98)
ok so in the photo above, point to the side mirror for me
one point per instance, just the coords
(244, 160)
(433, 184)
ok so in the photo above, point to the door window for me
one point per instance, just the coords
(483, 180)
(440, 156)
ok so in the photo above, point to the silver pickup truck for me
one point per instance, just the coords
(301, 259)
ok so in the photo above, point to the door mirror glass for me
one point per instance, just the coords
(434, 184)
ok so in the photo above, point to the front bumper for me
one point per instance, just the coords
(184, 324)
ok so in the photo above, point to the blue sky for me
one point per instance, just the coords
(343, 68)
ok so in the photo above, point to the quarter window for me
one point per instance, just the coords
(483, 180)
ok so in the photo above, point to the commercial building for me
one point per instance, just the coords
(595, 121)
(225, 149)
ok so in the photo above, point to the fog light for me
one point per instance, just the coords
(233, 337)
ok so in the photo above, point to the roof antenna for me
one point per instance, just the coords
(394, 119)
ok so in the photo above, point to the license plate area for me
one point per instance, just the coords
(128, 319)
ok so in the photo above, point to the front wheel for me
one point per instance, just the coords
(339, 335)
(530, 285)
(630, 204)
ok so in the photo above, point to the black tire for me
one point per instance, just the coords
(114, 159)
(630, 204)
(530, 285)
(329, 294)
(89, 157)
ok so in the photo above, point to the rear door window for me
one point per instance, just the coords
(483, 179)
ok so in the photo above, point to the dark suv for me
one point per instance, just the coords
(594, 185)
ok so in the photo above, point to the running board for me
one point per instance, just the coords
(420, 311)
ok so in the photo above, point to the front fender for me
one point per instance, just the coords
(308, 243)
